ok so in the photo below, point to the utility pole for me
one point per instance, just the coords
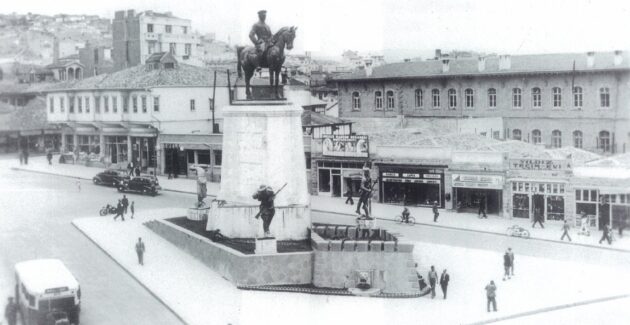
(214, 91)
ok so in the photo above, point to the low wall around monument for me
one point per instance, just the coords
(238, 221)
(239, 268)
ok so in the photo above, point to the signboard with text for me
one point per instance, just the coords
(478, 181)
(345, 146)
(540, 164)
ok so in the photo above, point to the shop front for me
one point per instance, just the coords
(470, 191)
(336, 177)
(143, 152)
(603, 206)
(180, 152)
(412, 185)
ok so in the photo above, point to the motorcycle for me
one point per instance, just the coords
(518, 231)
(108, 209)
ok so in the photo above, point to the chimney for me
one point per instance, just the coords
(505, 62)
(481, 63)
(438, 54)
(618, 57)
(590, 59)
(445, 65)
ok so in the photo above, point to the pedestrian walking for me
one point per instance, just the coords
(606, 234)
(511, 254)
(10, 312)
(433, 277)
(436, 214)
(482, 208)
(348, 195)
(491, 295)
(565, 230)
(119, 211)
(49, 156)
(125, 203)
(137, 170)
(538, 218)
(25, 156)
(507, 262)
(130, 168)
(140, 251)
(444, 278)
(132, 209)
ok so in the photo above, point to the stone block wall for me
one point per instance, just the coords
(241, 269)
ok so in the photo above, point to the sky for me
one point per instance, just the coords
(328, 27)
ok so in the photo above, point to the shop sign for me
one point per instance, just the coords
(539, 164)
(411, 175)
(390, 174)
(411, 180)
(478, 181)
(431, 176)
(345, 146)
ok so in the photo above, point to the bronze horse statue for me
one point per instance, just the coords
(273, 58)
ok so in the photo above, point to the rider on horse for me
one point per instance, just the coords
(260, 35)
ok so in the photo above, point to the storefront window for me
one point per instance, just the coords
(203, 157)
(217, 157)
(555, 207)
(324, 180)
(520, 206)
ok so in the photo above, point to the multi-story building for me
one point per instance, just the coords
(137, 36)
(579, 99)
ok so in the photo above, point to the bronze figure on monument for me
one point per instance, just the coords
(266, 195)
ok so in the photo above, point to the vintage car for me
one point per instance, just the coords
(109, 177)
(140, 184)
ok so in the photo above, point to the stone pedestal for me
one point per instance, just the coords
(198, 214)
(262, 144)
(266, 245)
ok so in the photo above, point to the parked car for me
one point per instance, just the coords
(110, 177)
(140, 184)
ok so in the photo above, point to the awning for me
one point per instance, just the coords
(187, 146)
(535, 180)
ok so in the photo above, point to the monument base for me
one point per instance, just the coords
(198, 214)
(266, 245)
(366, 292)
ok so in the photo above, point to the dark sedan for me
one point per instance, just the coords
(141, 184)
(109, 177)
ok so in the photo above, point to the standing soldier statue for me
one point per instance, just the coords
(201, 185)
(365, 192)
(267, 210)
(260, 35)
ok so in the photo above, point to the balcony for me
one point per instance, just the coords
(151, 36)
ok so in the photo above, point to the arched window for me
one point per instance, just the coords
(418, 97)
(470, 98)
(577, 96)
(516, 134)
(356, 101)
(435, 97)
(604, 141)
(536, 136)
(452, 98)
(378, 100)
(604, 97)
(536, 97)
(492, 98)
(556, 139)
(577, 139)
(516, 97)
(390, 100)
(557, 97)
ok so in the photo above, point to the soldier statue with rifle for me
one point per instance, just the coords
(266, 195)
(365, 191)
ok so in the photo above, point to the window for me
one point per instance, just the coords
(172, 48)
(80, 104)
(144, 104)
(192, 105)
(125, 101)
(149, 28)
(492, 98)
(390, 100)
(114, 104)
(418, 97)
(187, 49)
(62, 102)
(71, 105)
(577, 139)
(134, 104)
(51, 104)
(217, 157)
(452, 98)
(604, 97)
(516, 98)
(536, 97)
(156, 104)
(516, 134)
(470, 98)
(97, 104)
(536, 136)
(184, 30)
(356, 101)
(168, 29)
(604, 141)
(556, 139)
(435, 95)
(378, 100)
(106, 103)
(87, 104)
(557, 97)
(577, 97)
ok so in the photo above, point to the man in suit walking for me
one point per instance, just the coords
(444, 278)
(125, 203)
(433, 280)
(491, 295)
(436, 214)
(140, 251)
(119, 211)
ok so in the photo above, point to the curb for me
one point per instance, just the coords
(130, 274)
(352, 215)
(548, 309)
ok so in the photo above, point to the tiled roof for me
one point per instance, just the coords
(310, 118)
(140, 77)
(537, 63)
(622, 160)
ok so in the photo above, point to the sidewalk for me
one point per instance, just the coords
(448, 219)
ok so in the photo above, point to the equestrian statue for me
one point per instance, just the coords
(267, 52)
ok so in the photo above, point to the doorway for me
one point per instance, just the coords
(538, 204)
(336, 185)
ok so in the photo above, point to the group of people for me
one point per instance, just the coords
(122, 207)
(491, 288)
(508, 264)
(433, 280)
(133, 169)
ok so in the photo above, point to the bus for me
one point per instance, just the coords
(47, 293)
